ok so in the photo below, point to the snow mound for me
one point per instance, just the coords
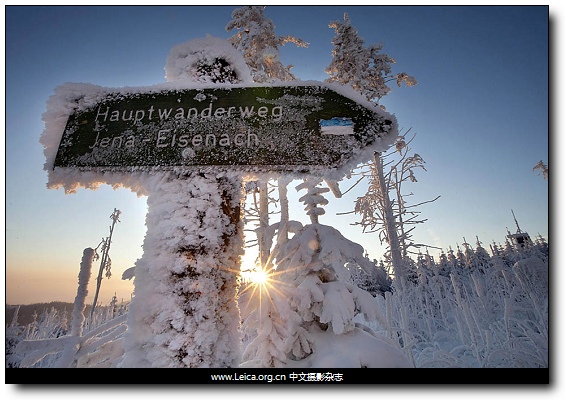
(355, 349)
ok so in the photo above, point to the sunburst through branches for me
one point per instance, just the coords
(261, 284)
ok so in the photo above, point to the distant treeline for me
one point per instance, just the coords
(27, 311)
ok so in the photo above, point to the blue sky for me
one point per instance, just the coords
(480, 111)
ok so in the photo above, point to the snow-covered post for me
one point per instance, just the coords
(83, 277)
(72, 345)
(183, 313)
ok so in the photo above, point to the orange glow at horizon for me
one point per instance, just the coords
(49, 285)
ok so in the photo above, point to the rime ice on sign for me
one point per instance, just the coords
(300, 127)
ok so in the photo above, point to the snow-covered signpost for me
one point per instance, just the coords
(302, 127)
(188, 145)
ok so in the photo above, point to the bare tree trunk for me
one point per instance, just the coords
(285, 217)
(105, 258)
(390, 221)
(401, 234)
(264, 250)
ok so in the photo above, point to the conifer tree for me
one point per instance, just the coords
(313, 270)
(461, 259)
(267, 328)
(257, 41)
(482, 258)
(444, 267)
(366, 69)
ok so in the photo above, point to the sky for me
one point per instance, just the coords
(480, 112)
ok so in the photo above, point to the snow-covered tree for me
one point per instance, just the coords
(257, 41)
(314, 296)
(257, 217)
(263, 322)
(377, 282)
(481, 258)
(13, 335)
(263, 327)
(366, 69)
(106, 261)
(383, 208)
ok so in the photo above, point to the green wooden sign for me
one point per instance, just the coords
(270, 128)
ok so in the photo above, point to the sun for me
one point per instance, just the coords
(258, 276)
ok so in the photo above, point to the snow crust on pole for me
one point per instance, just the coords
(183, 312)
